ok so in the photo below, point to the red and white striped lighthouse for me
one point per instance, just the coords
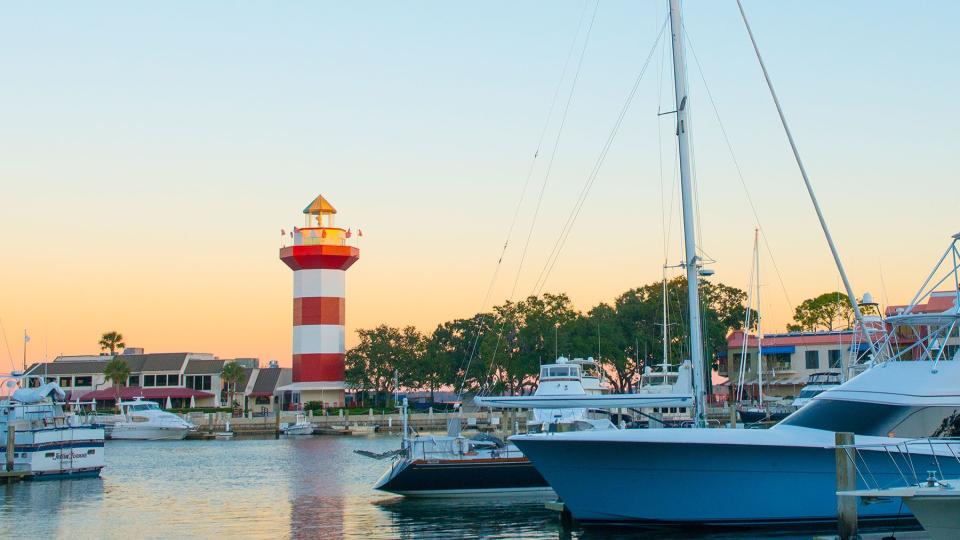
(319, 258)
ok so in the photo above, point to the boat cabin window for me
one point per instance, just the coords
(877, 419)
(560, 371)
(809, 393)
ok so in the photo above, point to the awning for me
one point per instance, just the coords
(130, 392)
(782, 349)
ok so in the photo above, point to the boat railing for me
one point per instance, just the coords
(905, 456)
(433, 450)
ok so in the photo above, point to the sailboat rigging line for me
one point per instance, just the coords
(526, 183)
(546, 177)
(567, 228)
(6, 342)
(806, 181)
(736, 166)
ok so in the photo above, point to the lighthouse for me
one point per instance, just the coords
(319, 257)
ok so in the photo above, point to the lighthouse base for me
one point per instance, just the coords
(331, 394)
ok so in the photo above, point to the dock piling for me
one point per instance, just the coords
(11, 445)
(846, 481)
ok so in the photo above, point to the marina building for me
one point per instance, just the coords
(790, 358)
(173, 380)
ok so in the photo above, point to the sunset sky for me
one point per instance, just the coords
(150, 154)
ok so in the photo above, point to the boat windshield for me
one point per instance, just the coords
(877, 419)
(145, 407)
(810, 393)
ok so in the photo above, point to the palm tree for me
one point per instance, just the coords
(117, 371)
(231, 375)
(111, 341)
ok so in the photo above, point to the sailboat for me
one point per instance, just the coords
(785, 475)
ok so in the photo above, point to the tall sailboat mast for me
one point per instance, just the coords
(689, 229)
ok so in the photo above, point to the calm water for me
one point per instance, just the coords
(313, 487)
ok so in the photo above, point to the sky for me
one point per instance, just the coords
(150, 154)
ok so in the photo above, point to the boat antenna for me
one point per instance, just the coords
(691, 262)
(806, 180)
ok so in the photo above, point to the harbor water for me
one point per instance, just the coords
(310, 487)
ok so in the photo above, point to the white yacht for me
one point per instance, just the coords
(47, 442)
(817, 383)
(145, 421)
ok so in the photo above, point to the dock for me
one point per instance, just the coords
(10, 477)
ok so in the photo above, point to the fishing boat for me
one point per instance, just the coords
(786, 475)
(48, 443)
(144, 420)
(299, 427)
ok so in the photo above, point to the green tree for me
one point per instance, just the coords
(828, 311)
(111, 341)
(117, 372)
(231, 374)
(382, 354)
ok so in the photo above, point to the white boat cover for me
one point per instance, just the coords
(36, 395)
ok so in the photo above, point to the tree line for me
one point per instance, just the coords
(501, 350)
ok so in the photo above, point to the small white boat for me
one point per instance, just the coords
(817, 383)
(47, 442)
(145, 421)
(300, 427)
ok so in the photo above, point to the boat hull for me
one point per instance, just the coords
(58, 452)
(937, 514)
(719, 484)
(463, 477)
(148, 433)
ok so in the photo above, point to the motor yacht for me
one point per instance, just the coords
(816, 384)
(784, 475)
(48, 443)
(145, 421)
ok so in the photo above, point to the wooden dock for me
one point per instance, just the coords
(10, 477)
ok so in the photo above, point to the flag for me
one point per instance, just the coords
(359, 232)
(26, 338)
(349, 234)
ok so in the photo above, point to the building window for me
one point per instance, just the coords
(813, 359)
(34, 382)
(836, 359)
(173, 380)
(149, 380)
(65, 382)
(722, 365)
(134, 380)
(779, 362)
(197, 382)
(83, 381)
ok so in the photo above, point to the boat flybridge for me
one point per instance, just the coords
(144, 420)
(569, 397)
(49, 443)
(787, 474)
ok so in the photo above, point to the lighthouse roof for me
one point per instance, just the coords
(319, 206)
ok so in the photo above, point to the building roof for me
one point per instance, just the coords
(937, 302)
(203, 367)
(266, 383)
(68, 368)
(735, 339)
